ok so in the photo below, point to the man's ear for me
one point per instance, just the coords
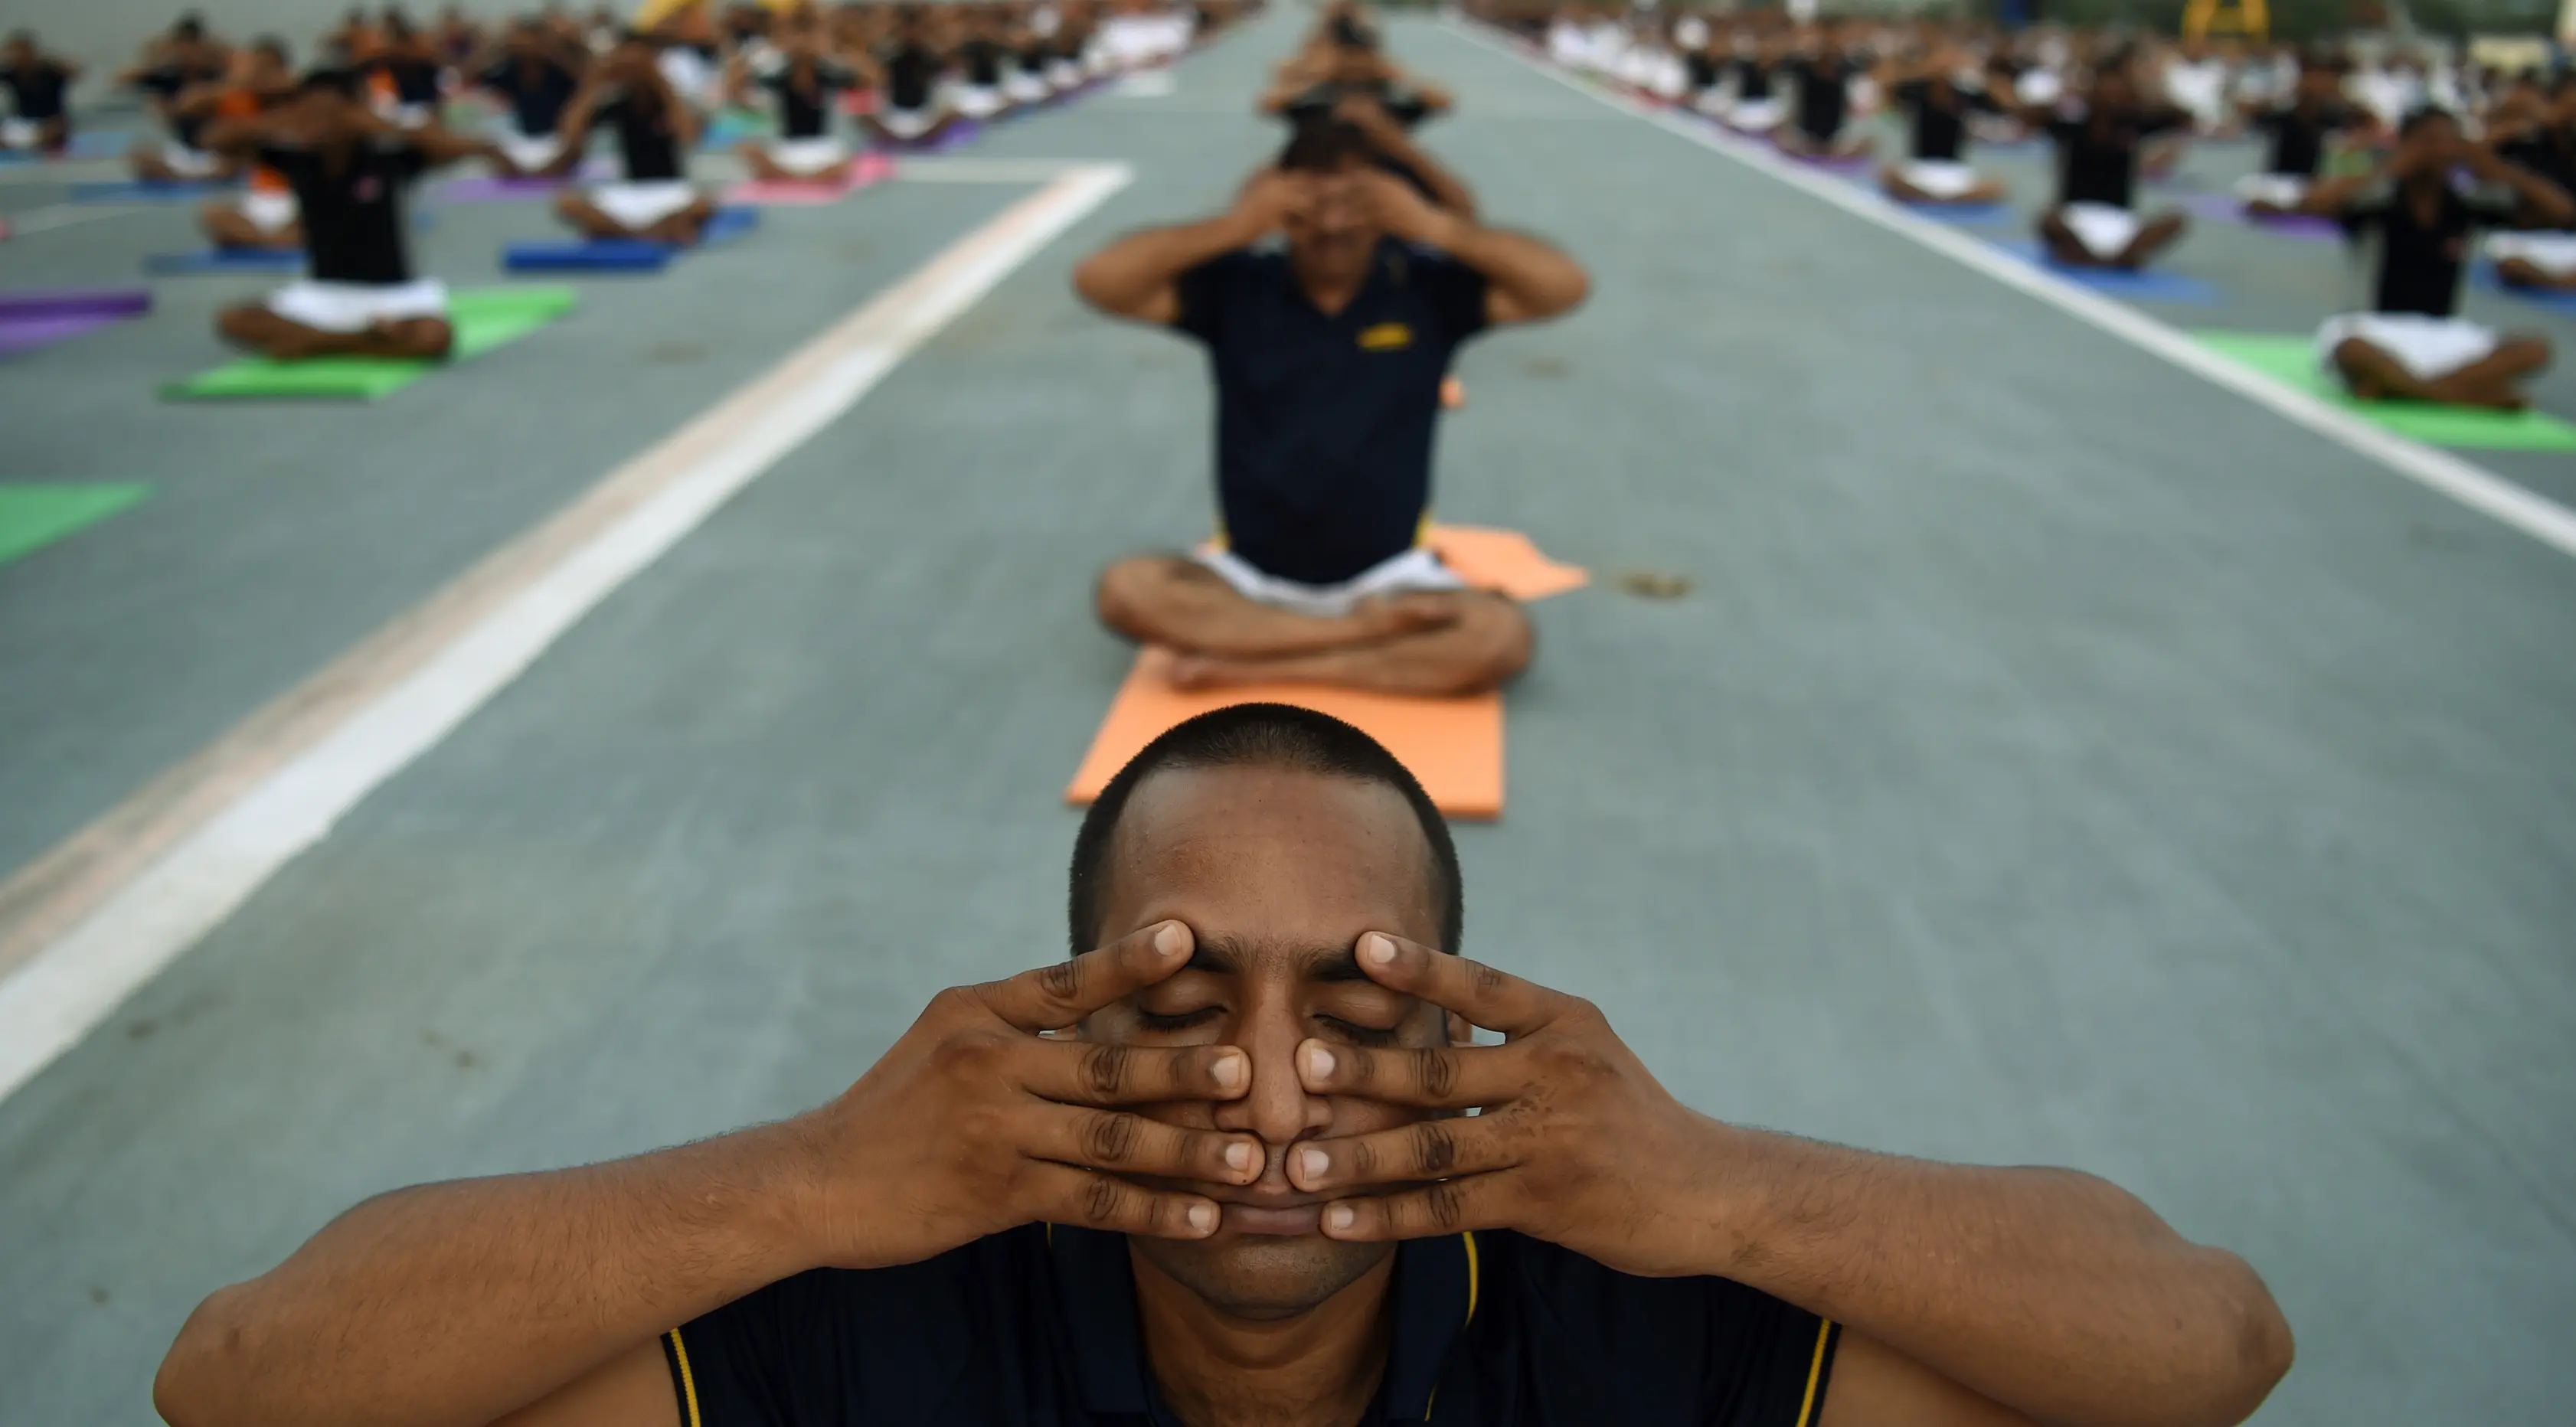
(1460, 1032)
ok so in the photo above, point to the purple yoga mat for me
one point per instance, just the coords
(75, 302)
(25, 334)
(2226, 208)
(490, 189)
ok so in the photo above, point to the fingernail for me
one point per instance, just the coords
(1203, 1218)
(1170, 939)
(1340, 1218)
(1311, 1163)
(1319, 1062)
(1377, 948)
(1227, 1072)
(1238, 1157)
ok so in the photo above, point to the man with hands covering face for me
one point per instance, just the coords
(1214, 1173)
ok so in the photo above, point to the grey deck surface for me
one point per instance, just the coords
(2056, 758)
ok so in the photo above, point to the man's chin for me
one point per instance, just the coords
(1261, 1273)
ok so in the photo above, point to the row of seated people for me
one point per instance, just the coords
(332, 170)
(2419, 195)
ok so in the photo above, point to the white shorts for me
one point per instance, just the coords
(357, 306)
(975, 101)
(808, 158)
(1415, 569)
(1022, 87)
(1941, 179)
(908, 123)
(2105, 231)
(2278, 190)
(529, 152)
(2039, 87)
(637, 206)
(190, 163)
(1065, 74)
(412, 116)
(2552, 253)
(2428, 348)
(1757, 115)
(19, 133)
(268, 211)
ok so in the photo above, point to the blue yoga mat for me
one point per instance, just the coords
(226, 260)
(2148, 286)
(624, 255)
(2487, 281)
(131, 190)
(1963, 213)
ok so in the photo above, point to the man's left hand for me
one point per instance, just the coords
(1404, 213)
(1576, 1142)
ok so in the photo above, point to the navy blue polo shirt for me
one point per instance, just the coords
(1324, 423)
(1036, 1327)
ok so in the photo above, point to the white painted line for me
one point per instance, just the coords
(290, 772)
(2471, 485)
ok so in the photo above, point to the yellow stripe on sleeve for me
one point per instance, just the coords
(1815, 1370)
(1470, 1237)
(688, 1381)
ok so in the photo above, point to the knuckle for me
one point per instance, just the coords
(1102, 1199)
(1435, 1148)
(1487, 979)
(1435, 1073)
(1363, 1161)
(1445, 1206)
(1110, 1139)
(1061, 981)
(1104, 1069)
(955, 1002)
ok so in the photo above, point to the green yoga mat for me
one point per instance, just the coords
(485, 318)
(2292, 361)
(33, 516)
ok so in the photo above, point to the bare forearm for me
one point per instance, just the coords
(1130, 275)
(2046, 1290)
(457, 1303)
(1536, 279)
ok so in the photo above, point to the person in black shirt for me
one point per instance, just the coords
(39, 88)
(2541, 254)
(1820, 121)
(980, 59)
(537, 74)
(1347, 61)
(1328, 357)
(2298, 133)
(1754, 105)
(2412, 344)
(1215, 1170)
(177, 72)
(350, 170)
(912, 107)
(2093, 223)
(405, 70)
(1938, 95)
(655, 129)
(263, 77)
(805, 81)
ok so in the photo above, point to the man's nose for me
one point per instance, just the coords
(1277, 1108)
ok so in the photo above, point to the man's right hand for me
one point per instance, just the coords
(976, 1121)
(1266, 201)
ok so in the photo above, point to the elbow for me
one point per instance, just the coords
(2251, 1347)
(185, 1391)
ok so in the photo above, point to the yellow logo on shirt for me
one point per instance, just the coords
(1386, 337)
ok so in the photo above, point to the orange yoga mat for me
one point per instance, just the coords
(1455, 746)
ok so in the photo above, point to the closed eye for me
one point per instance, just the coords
(1358, 1034)
(1181, 1021)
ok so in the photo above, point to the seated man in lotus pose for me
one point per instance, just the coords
(1939, 96)
(536, 74)
(2411, 343)
(652, 197)
(1217, 1170)
(1328, 357)
(805, 79)
(263, 219)
(39, 86)
(350, 169)
(2095, 223)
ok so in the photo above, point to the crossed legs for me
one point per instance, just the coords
(680, 228)
(2491, 381)
(2065, 249)
(270, 335)
(1429, 643)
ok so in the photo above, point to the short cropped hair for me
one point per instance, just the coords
(1258, 736)
(1323, 144)
(2415, 121)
